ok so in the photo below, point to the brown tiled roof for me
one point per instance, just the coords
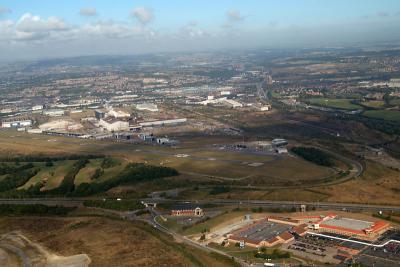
(272, 240)
(301, 229)
(286, 236)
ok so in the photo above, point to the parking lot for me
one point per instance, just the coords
(388, 255)
(263, 231)
(370, 260)
(313, 249)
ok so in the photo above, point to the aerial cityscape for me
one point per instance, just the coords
(172, 133)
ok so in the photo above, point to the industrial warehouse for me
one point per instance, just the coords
(275, 230)
(266, 233)
(350, 227)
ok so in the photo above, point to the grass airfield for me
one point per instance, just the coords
(203, 169)
(195, 159)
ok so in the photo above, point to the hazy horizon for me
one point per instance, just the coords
(50, 29)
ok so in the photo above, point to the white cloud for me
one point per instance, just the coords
(31, 23)
(6, 29)
(88, 11)
(30, 27)
(4, 10)
(110, 29)
(234, 15)
(191, 30)
(143, 14)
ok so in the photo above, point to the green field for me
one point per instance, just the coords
(334, 103)
(44, 176)
(53, 175)
(373, 103)
(390, 115)
(84, 175)
(50, 176)
(112, 204)
(201, 161)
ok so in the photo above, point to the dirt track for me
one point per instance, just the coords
(29, 254)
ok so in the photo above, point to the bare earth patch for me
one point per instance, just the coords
(29, 253)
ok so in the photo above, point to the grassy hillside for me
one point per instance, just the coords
(111, 242)
(77, 175)
(391, 115)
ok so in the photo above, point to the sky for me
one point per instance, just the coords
(31, 29)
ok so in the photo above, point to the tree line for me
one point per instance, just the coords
(40, 158)
(15, 180)
(314, 155)
(132, 174)
(36, 209)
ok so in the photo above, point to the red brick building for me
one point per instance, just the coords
(187, 210)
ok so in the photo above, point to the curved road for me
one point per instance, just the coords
(189, 241)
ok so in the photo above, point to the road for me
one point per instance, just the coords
(206, 248)
(76, 202)
(188, 241)
(283, 204)
(152, 220)
(357, 167)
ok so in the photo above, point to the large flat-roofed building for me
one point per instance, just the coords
(233, 103)
(113, 124)
(274, 230)
(147, 106)
(16, 123)
(266, 233)
(278, 142)
(223, 100)
(37, 107)
(350, 227)
(163, 122)
(118, 114)
(61, 125)
(54, 112)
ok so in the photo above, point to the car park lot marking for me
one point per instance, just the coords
(355, 241)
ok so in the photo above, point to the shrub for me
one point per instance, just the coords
(37, 209)
(219, 190)
(314, 155)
